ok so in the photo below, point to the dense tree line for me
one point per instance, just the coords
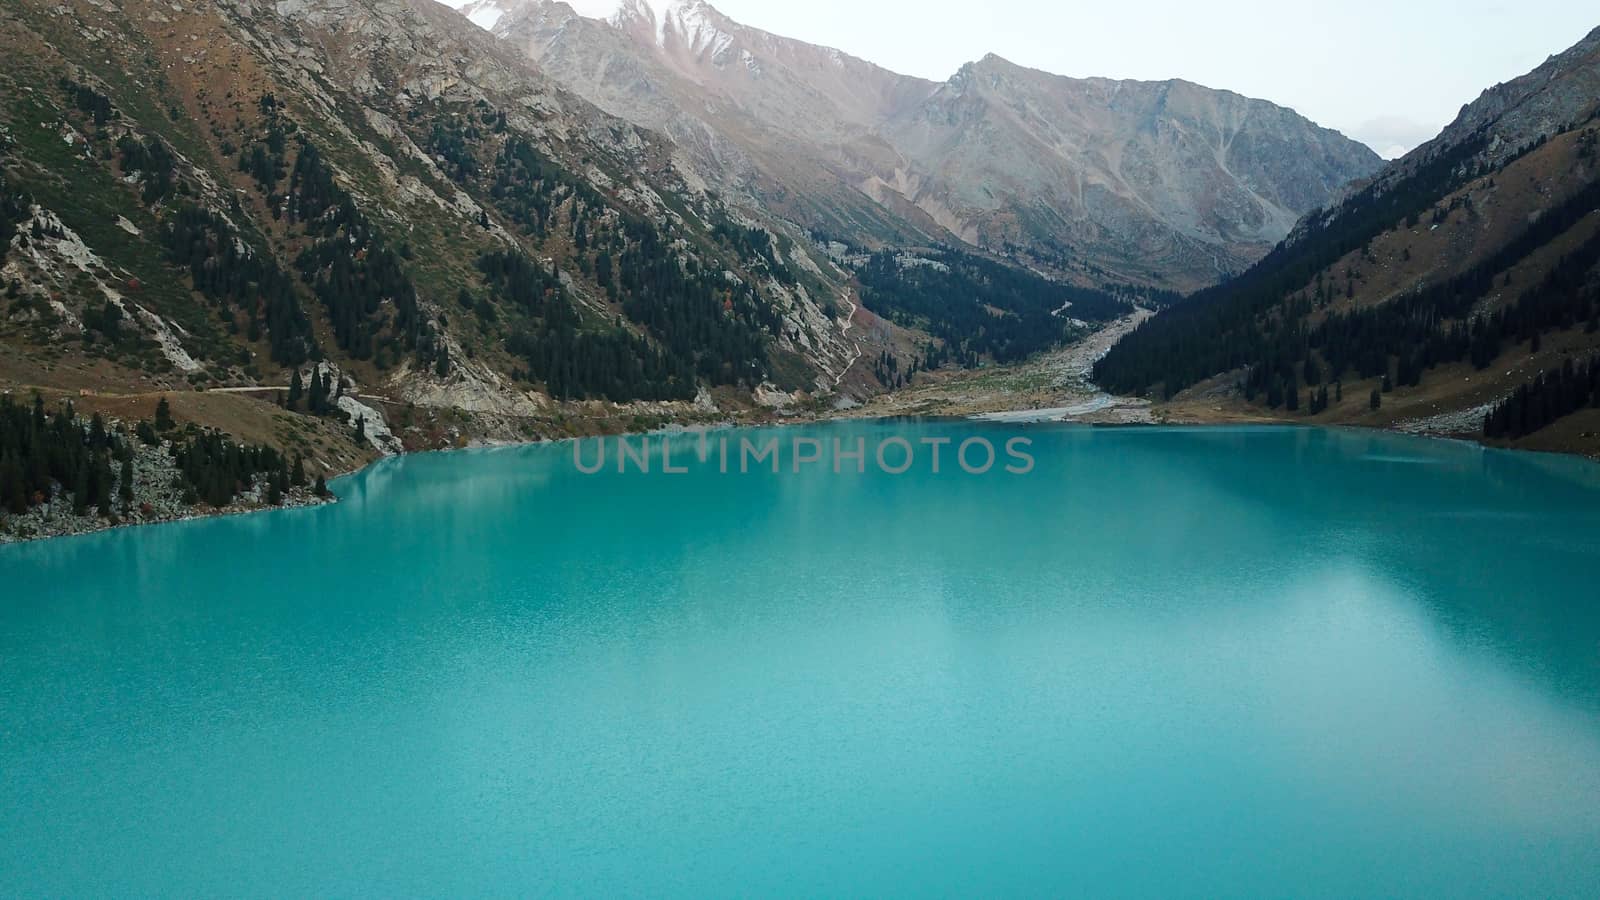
(349, 266)
(450, 142)
(39, 451)
(1250, 323)
(527, 285)
(216, 470)
(528, 186)
(1565, 297)
(1402, 339)
(224, 269)
(699, 319)
(1551, 395)
(1228, 326)
(42, 453)
(977, 307)
(611, 364)
(696, 315)
(576, 363)
(717, 325)
(351, 269)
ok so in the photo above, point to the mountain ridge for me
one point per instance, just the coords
(840, 126)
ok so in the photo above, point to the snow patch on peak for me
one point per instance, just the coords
(486, 14)
(628, 11)
(693, 22)
(598, 9)
(482, 13)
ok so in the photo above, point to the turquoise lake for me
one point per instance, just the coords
(1164, 662)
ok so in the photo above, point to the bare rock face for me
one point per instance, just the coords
(781, 126)
(1162, 181)
(1166, 183)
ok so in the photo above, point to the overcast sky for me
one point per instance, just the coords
(1390, 74)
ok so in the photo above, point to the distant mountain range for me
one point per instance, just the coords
(1164, 183)
(579, 223)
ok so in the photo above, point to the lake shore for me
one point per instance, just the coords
(251, 502)
(1055, 387)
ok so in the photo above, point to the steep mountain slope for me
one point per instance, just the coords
(1165, 181)
(1168, 184)
(376, 195)
(1423, 297)
(778, 124)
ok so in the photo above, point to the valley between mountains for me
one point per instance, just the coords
(315, 232)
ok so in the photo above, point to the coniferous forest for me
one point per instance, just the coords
(226, 271)
(39, 451)
(692, 320)
(574, 363)
(43, 452)
(1271, 321)
(350, 267)
(976, 307)
(1551, 395)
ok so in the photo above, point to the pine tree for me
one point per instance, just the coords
(1376, 400)
(100, 477)
(322, 486)
(1313, 372)
(296, 389)
(164, 416)
(297, 476)
(125, 487)
(319, 393)
(80, 489)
